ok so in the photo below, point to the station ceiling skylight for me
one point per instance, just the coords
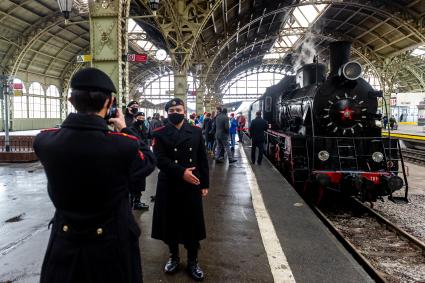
(301, 17)
(138, 35)
(420, 51)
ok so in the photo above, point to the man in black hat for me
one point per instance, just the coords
(182, 182)
(90, 172)
(141, 127)
(131, 112)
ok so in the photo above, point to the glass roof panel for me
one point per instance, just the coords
(302, 17)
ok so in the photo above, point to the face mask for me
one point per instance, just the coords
(134, 110)
(175, 118)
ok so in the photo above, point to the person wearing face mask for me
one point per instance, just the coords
(90, 172)
(141, 127)
(131, 112)
(183, 181)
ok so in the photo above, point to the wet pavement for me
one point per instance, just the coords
(233, 251)
(25, 211)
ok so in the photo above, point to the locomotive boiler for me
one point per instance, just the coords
(324, 131)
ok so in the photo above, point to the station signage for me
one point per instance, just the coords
(17, 89)
(84, 58)
(137, 58)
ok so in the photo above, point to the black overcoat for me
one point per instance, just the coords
(178, 212)
(90, 171)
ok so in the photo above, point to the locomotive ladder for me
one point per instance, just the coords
(349, 146)
(388, 153)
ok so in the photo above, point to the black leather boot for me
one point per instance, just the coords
(172, 265)
(195, 271)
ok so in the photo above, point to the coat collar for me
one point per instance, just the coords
(84, 121)
(170, 129)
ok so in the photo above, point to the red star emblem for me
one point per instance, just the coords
(347, 113)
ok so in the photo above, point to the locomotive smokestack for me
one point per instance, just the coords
(339, 55)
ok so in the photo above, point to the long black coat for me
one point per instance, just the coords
(90, 171)
(257, 128)
(178, 212)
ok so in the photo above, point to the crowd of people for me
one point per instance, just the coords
(96, 165)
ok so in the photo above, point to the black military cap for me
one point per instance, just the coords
(131, 103)
(92, 79)
(139, 114)
(173, 102)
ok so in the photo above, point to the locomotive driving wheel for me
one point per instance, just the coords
(345, 114)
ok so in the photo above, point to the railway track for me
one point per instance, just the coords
(414, 155)
(388, 253)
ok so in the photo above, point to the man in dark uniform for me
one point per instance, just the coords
(141, 128)
(256, 130)
(90, 171)
(182, 182)
(131, 112)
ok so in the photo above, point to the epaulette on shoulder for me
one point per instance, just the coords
(124, 135)
(159, 128)
(50, 130)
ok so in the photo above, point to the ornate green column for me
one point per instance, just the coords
(180, 85)
(200, 94)
(108, 41)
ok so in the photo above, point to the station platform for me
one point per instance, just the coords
(410, 132)
(258, 229)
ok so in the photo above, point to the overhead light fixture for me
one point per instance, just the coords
(154, 5)
(65, 6)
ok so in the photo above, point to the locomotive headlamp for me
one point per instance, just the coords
(377, 156)
(323, 155)
(351, 71)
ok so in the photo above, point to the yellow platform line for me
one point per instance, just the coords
(405, 136)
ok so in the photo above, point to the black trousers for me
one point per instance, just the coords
(136, 193)
(192, 248)
(240, 135)
(260, 146)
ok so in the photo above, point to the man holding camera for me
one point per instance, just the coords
(90, 171)
(183, 181)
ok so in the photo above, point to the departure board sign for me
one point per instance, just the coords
(138, 58)
(17, 89)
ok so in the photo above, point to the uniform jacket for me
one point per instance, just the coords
(90, 171)
(222, 126)
(178, 212)
(257, 129)
(206, 127)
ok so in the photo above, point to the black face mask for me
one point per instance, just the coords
(134, 110)
(175, 118)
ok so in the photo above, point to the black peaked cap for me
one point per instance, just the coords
(92, 79)
(173, 102)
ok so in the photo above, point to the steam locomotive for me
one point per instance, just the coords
(324, 132)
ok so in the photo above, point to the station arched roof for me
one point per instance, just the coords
(227, 37)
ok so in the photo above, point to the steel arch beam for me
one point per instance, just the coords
(398, 20)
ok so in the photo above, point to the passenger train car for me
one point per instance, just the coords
(324, 132)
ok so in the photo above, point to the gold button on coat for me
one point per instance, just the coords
(175, 149)
(190, 149)
(99, 231)
(65, 228)
(190, 160)
(176, 161)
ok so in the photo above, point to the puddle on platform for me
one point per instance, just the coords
(15, 218)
